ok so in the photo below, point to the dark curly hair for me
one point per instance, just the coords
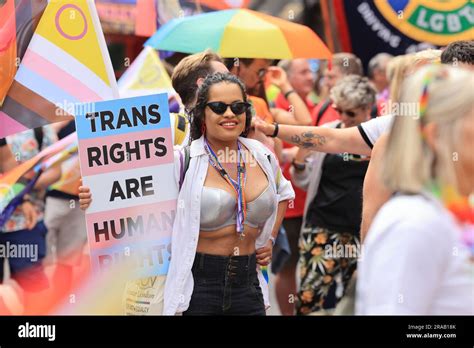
(198, 112)
(458, 51)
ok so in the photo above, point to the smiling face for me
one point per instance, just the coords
(228, 126)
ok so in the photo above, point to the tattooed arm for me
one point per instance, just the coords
(307, 139)
(323, 139)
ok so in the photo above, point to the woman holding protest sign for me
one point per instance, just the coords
(224, 227)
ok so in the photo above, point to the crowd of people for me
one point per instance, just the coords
(363, 184)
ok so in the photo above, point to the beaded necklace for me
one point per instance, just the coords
(238, 185)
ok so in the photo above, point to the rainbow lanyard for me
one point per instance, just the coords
(237, 186)
(461, 208)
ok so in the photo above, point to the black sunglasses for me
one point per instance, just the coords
(236, 107)
(347, 112)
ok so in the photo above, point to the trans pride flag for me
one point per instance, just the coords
(66, 63)
(145, 76)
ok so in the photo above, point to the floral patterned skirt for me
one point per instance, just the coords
(327, 261)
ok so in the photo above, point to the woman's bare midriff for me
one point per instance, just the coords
(225, 241)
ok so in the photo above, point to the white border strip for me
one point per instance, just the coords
(103, 47)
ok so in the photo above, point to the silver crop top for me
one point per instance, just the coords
(219, 208)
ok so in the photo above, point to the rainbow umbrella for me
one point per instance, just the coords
(239, 33)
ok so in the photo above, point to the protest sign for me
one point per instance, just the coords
(126, 157)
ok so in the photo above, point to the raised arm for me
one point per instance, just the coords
(323, 139)
(300, 114)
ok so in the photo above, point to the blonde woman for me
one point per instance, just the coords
(401, 66)
(417, 253)
(375, 194)
(458, 53)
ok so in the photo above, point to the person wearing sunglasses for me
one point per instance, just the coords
(186, 78)
(234, 189)
(333, 208)
(232, 199)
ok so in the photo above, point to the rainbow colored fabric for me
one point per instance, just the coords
(66, 63)
(13, 187)
(260, 36)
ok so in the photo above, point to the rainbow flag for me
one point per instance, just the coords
(145, 76)
(28, 187)
(66, 63)
(13, 185)
(7, 46)
(9, 179)
(18, 22)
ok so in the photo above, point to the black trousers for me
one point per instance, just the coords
(225, 285)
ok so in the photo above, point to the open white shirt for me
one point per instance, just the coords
(414, 262)
(179, 282)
